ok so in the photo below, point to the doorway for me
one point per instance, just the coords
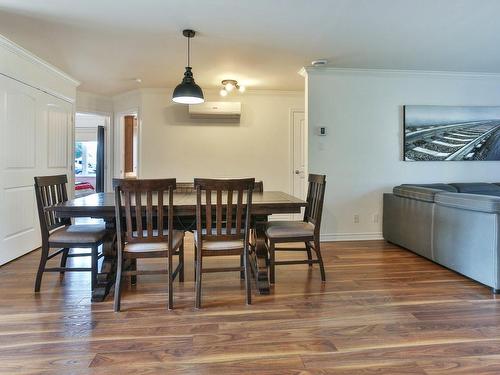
(298, 153)
(127, 145)
(90, 159)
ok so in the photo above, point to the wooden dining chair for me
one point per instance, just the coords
(145, 229)
(306, 231)
(59, 233)
(222, 228)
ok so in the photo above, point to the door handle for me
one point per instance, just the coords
(297, 171)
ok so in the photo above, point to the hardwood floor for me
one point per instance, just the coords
(383, 310)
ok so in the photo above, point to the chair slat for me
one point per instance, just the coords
(208, 210)
(160, 213)
(229, 211)
(218, 210)
(239, 210)
(138, 214)
(149, 213)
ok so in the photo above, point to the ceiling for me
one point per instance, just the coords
(262, 43)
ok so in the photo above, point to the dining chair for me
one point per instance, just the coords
(222, 228)
(59, 233)
(147, 230)
(306, 231)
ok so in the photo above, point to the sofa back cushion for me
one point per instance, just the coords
(480, 188)
(437, 186)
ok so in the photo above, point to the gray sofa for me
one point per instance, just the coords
(455, 225)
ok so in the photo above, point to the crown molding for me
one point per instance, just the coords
(211, 91)
(30, 57)
(433, 73)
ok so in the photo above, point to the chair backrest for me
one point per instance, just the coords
(185, 187)
(143, 208)
(315, 198)
(188, 187)
(227, 219)
(50, 190)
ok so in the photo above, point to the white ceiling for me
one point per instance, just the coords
(262, 43)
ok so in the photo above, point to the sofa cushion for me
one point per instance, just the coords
(481, 188)
(416, 192)
(472, 202)
(438, 186)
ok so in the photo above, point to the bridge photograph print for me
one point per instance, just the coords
(442, 133)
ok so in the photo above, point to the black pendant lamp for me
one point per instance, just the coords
(188, 92)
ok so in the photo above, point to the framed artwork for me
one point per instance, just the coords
(451, 133)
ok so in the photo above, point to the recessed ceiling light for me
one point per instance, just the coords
(138, 80)
(319, 62)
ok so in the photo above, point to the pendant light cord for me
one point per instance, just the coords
(188, 50)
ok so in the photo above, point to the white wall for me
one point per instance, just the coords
(92, 103)
(361, 155)
(174, 145)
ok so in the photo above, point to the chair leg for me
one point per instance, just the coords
(242, 264)
(41, 267)
(64, 259)
(309, 254)
(318, 254)
(94, 261)
(248, 288)
(195, 262)
(181, 261)
(133, 267)
(271, 262)
(170, 304)
(118, 283)
(198, 280)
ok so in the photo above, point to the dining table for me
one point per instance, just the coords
(102, 206)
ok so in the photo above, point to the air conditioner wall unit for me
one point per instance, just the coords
(214, 110)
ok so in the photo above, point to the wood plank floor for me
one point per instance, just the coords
(383, 310)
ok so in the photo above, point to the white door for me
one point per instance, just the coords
(35, 139)
(299, 152)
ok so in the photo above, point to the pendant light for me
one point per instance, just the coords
(188, 92)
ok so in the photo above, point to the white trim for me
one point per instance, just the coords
(437, 73)
(368, 236)
(27, 55)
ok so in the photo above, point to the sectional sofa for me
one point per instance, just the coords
(455, 225)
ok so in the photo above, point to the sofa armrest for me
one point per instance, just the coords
(416, 192)
(471, 202)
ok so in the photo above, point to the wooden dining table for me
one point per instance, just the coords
(102, 206)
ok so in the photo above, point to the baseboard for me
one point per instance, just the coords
(369, 236)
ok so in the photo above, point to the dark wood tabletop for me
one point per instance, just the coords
(102, 205)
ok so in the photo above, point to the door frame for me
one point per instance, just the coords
(293, 112)
(119, 139)
(108, 147)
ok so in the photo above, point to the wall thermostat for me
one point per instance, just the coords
(321, 130)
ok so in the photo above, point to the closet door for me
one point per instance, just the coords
(35, 135)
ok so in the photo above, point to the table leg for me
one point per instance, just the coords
(259, 258)
(106, 275)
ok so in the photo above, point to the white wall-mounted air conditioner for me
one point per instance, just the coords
(214, 110)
